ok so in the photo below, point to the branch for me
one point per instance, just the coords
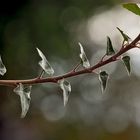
(73, 72)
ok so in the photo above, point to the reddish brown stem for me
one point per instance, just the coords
(72, 73)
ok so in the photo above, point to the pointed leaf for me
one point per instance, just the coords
(125, 37)
(2, 67)
(45, 64)
(84, 59)
(24, 93)
(66, 87)
(103, 77)
(126, 61)
(132, 7)
(110, 50)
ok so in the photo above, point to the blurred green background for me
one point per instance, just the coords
(56, 27)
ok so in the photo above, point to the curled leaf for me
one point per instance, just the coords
(103, 77)
(66, 87)
(109, 50)
(24, 93)
(125, 37)
(2, 67)
(126, 61)
(45, 64)
(84, 59)
(132, 7)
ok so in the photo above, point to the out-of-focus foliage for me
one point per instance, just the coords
(56, 27)
(132, 7)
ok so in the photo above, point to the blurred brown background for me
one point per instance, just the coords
(56, 27)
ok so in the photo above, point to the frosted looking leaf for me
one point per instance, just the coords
(45, 64)
(24, 93)
(66, 87)
(109, 50)
(83, 57)
(125, 37)
(103, 77)
(2, 67)
(126, 61)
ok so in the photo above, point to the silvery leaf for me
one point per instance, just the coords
(103, 77)
(125, 37)
(45, 64)
(109, 50)
(2, 67)
(66, 87)
(24, 93)
(84, 59)
(126, 61)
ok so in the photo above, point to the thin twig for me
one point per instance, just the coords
(73, 73)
